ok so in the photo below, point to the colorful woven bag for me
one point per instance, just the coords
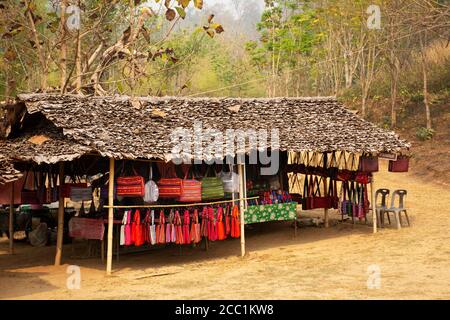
(212, 187)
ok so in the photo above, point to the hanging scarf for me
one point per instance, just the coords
(122, 228)
(153, 237)
(136, 229)
(227, 221)
(186, 223)
(212, 225)
(128, 231)
(146, 227)
(196, 236)
(204, 226)
(235, 224)
(160, 229)
(178, 229)
(220, 225)
(171, 235)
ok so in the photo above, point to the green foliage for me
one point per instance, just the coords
(424, 134)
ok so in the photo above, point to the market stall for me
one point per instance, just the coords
(115, 155)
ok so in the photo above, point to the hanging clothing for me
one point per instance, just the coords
(204, 225)
(235, 223)
(128, 233)
(221, 235)
(122, 228)
(212, 225)
(186, 224)
(153, 237)
(136, 229)
(196, 235)
(178, 228)
(160, 229)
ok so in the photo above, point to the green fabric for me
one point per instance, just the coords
(270, 212)
(212, 188)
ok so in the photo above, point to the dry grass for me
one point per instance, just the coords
(318, 264)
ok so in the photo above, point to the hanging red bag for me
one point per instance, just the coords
(186, 223)
(131, 186)
(191, 189)
(220, 225)
(235, 224)
(160, 229)
(196, 236)
(169, 185)
(368, 163)
(400, 165)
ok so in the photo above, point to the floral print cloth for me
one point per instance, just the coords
(270, 212)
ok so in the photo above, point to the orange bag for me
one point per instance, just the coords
(235, 224)
(220, 225)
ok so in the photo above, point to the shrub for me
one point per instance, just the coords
(424, 134)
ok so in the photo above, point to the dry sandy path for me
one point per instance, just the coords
(318, 264)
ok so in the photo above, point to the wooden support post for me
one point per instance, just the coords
(325, 210)
(60, 234)
(11, 221)
(244, 176)
(374, 205)
(109, 252)
(241, 206)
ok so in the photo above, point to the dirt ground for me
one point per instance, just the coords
(318, 264)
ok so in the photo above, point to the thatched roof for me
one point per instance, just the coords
(124, 127)
(7, 171)
(42, 145)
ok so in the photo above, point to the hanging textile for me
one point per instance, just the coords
(235, 224)
(196, 236)
(212, 225)
(128, 233)
(153, 238)
(160, 229)
(186, 224)
(204, 225)
(122, 228)
(221, 235)
(178, 228)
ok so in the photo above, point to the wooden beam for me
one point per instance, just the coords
(374, 205)
(110, 217)
(241, 207)
(11, 220)
(327, 223)
(60, 234)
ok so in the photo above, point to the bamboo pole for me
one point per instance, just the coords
(110, 217)
(11, 221)
(327, 224)
(244, 176)
(374, 205)
(60, 234)
(241, 207)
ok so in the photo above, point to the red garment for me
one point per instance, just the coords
(235, 224)
(220, 225)
(227, 221)
(179, 229)
(186, 223)
(160, 228)
(136, 229)
(196, 235)
(204, 226)
(212, 225)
